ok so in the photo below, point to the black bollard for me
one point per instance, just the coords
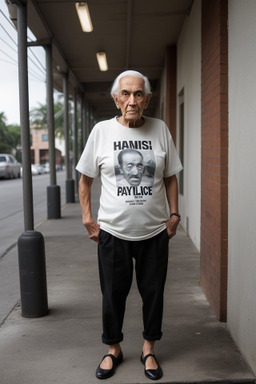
(32, 270)
(53, 202)
(70, 191)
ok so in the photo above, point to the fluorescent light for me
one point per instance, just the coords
(102, 61)
(84, 17)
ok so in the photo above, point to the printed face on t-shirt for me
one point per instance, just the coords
(132, 167)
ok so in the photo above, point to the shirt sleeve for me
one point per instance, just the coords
(88, 163)
(173, 163)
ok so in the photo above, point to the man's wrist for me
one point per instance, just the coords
(175, 214)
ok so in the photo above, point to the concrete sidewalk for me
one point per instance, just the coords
(65, 346)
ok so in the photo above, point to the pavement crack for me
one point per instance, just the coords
(8, 250)
(8, 314)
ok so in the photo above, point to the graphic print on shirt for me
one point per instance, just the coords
(135, 165)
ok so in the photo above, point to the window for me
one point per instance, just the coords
(45, 137)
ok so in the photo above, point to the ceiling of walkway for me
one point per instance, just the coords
(133, 33)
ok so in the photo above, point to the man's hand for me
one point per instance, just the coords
(172, 225)
(171, 186)
(93, 230)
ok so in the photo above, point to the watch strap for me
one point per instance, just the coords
(175, 214)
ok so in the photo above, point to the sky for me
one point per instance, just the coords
(9, 90)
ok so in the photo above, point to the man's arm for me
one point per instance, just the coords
(171, 186)
(92, 227)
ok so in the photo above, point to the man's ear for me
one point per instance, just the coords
(120, 169)
(147, 100)
(116, 101)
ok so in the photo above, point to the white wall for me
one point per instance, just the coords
(242, 177)
(189, 79)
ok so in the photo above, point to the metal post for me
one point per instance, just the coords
(31, 252)
(66, 124)
(53, 190)
(75, 139)
(50, 113)
(70, 189)
(88, 120)
(82, 124)
(24, 118)
(86, 128)
(91, 119)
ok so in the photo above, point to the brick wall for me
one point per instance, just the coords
(214, 182)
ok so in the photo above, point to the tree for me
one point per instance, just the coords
(9, 135)
(3, 132)
(38, 118)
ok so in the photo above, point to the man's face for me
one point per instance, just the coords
(131, 100)
(132, 168)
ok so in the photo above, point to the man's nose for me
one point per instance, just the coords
(135, 170)
(132, 99)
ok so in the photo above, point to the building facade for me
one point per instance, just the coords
(214, 128)
(40, 147)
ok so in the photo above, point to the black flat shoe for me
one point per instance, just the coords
(152, 374)
(106, 373)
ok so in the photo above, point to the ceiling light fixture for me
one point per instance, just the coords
(84, 17)
(102, 61)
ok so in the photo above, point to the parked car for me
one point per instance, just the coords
(39, 168)
(46, 167)
(34, 169)
(9, 166)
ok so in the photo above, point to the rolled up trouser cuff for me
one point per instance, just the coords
(152, 337)
(112, 341)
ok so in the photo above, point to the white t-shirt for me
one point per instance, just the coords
(133, 204)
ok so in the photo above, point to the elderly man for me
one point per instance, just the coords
(131, 166)
(134, 222)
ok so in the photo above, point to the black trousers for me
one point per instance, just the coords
(116, 272)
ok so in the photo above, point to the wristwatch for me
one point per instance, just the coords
(175, 214)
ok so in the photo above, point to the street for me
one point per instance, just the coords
(12, 225)
(11, 203)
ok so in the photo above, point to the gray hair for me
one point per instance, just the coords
(124, 151)
(115, 86)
